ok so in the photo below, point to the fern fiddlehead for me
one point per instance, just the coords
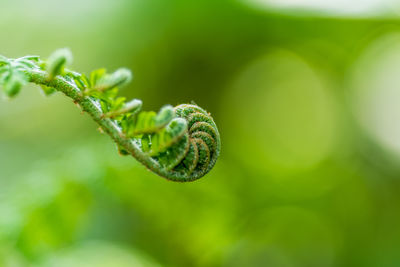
(181, 144)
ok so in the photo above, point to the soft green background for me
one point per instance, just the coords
(308, 107)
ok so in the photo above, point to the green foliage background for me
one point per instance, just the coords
(304, 178)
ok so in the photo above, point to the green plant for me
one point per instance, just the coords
(180, 144)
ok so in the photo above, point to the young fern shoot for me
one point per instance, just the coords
(179, 143)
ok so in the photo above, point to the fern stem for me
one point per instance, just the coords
(109, 127)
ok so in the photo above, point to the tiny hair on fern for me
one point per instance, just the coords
(179, 143)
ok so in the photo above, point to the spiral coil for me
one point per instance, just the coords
(204, 140)
(183, 140)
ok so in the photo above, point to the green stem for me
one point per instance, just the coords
(108, 125)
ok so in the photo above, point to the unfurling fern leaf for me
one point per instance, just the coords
(180, 144)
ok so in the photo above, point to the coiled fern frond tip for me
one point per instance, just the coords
(179, 143)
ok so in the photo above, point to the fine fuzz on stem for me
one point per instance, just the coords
(179, 143)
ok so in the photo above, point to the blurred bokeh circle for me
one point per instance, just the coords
(374, 81)
(281, 114)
